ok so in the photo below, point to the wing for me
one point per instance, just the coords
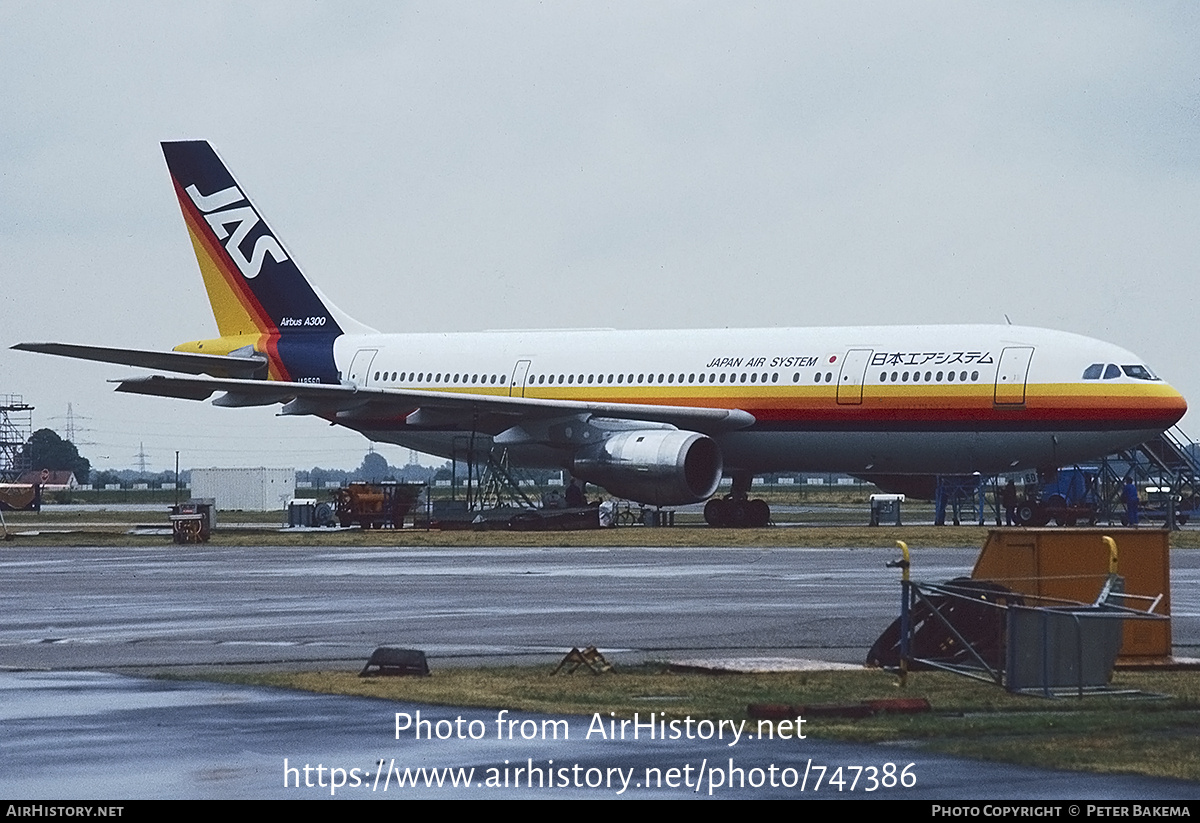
(488, 414)
(252, 365)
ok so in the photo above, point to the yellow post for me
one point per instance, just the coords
(904, 550)
(1112, 553)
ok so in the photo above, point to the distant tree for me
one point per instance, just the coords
(374, 468)
(46, 450)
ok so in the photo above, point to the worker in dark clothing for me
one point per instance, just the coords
(1129, 496)
(575, 497)
(1008, 497)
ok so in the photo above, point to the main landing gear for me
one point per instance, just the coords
(735, 510)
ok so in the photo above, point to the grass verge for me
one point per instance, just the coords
(80, 530)
(1112, 735)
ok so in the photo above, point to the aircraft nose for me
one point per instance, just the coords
(1173, 405)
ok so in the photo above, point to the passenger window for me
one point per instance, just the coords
(1093, 371)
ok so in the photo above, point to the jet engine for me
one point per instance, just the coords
(655, 466)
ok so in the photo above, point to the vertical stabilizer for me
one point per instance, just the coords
(259, 296)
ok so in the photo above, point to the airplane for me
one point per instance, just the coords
(656, 417)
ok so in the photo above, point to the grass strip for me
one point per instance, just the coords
(65, 533)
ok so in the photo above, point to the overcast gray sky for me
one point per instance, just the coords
(472, 165)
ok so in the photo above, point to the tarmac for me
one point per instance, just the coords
(74, 728)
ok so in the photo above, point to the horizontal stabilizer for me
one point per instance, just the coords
(183, 362)
(159, 386)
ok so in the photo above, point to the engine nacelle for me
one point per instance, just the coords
(654, 466)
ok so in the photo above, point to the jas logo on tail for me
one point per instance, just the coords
(219, 211)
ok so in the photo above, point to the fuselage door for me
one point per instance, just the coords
(1011, 375)
(516, 387)
(360, 366)
(850, 379)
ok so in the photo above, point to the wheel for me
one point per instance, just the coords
(716, 513)
(758, 513)
(1027, 513)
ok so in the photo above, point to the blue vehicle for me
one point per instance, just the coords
(1070, 499)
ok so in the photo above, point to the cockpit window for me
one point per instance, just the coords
(1111, 372)
(1138, 372)
(1093, 371)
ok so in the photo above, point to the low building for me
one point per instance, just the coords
(51, 480)
(251, 490)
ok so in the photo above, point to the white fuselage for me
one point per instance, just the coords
(914, 400)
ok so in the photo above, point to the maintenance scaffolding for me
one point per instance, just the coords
(16, 426)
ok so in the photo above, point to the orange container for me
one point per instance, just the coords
(1054, 564)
